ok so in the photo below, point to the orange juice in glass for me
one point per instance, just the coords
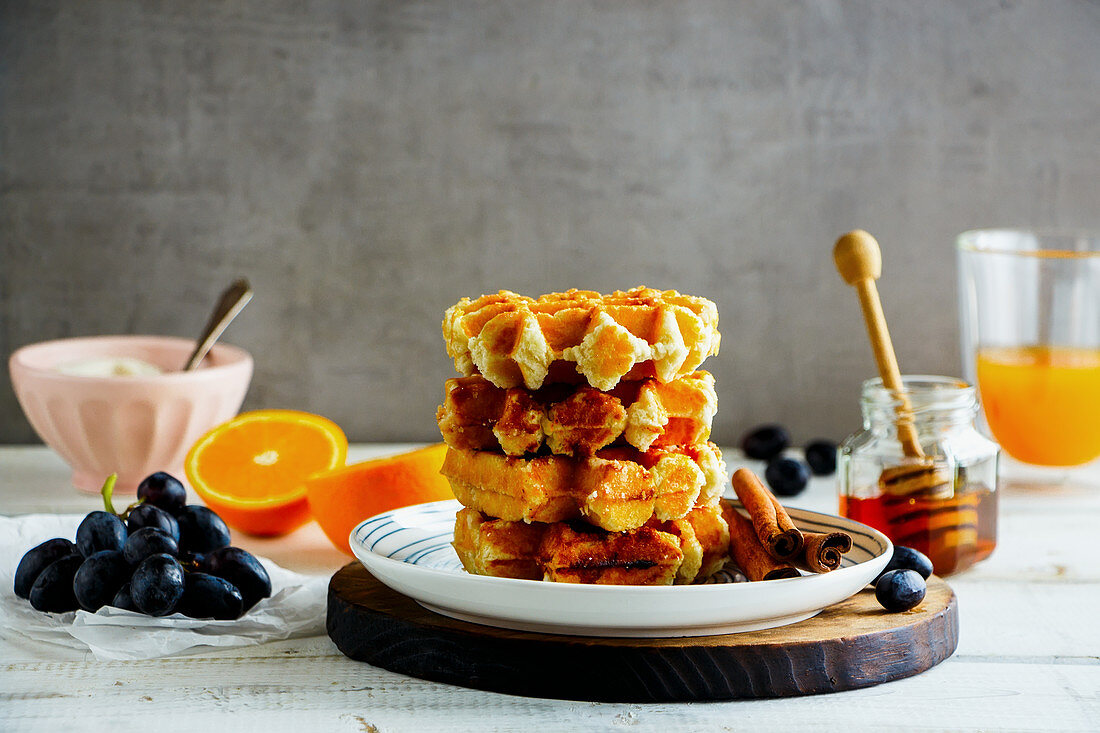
(1043, 402)
(1030, 321)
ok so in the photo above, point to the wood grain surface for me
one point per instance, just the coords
(1027, 657)
(850, 645)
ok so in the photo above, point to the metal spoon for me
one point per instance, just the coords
(232, 301)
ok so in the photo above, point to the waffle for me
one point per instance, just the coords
(497, 547)
(576, 420)
(704, 538)
(679, 551)
(616, 489)
(580, 335)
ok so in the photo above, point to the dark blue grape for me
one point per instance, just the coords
(164, 491)
(765, 442)
(53, 588)
(100, 530)
(786, 476)
(157, 585)
(147, 515)
(123, 599)
(98, 579)
(148, 541)
(38, 559)
(906, 558)
(900, 590)
(207, 596)
(242, 570)
(201, 530)
(191, 561)
(821, 455)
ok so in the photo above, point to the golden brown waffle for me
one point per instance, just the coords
(576, 420)
(496, 547)
(514, 340)
(705, 537)
(679, 551)
(616, 489)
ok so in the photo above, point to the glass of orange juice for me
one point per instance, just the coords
(1029, 311)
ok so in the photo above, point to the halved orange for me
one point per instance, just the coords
(344, 497)
(252, 469)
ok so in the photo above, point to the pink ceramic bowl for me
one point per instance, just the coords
(133, 425)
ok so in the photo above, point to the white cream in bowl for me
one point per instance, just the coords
(114, 366)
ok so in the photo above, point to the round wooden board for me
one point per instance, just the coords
(849, 645)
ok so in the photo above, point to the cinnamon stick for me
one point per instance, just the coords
(748, 552)
(822, 552)
(772, 524)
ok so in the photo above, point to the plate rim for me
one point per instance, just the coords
(700, 588)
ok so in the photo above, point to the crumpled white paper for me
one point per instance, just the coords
(296, 607)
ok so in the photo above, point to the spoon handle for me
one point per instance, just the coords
(859, 261)
(232, 301)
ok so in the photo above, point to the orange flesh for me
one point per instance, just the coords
(252, 469)
(342, 498)
(260, 461)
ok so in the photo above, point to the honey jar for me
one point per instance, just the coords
(940, 498)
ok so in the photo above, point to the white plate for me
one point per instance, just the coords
(410, 550)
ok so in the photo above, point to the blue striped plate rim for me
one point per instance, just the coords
(421, 535)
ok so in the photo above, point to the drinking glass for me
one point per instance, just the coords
(1029, 313)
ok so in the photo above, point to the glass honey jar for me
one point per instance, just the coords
(940, 498)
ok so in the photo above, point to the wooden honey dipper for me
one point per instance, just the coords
(859, 261)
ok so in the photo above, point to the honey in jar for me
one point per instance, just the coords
(942, 503)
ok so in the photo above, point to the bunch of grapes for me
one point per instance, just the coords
(159, 556)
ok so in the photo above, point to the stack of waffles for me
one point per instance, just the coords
(578, 437)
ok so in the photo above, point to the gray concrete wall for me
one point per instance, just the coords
(367, 164)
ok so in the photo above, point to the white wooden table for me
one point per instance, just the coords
(1028, 658)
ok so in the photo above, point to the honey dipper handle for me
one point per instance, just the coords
(858, 257)
(859, 261)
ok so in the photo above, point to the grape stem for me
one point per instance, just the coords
(108, 490)
(132, 507)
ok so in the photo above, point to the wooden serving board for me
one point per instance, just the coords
(849, 645)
